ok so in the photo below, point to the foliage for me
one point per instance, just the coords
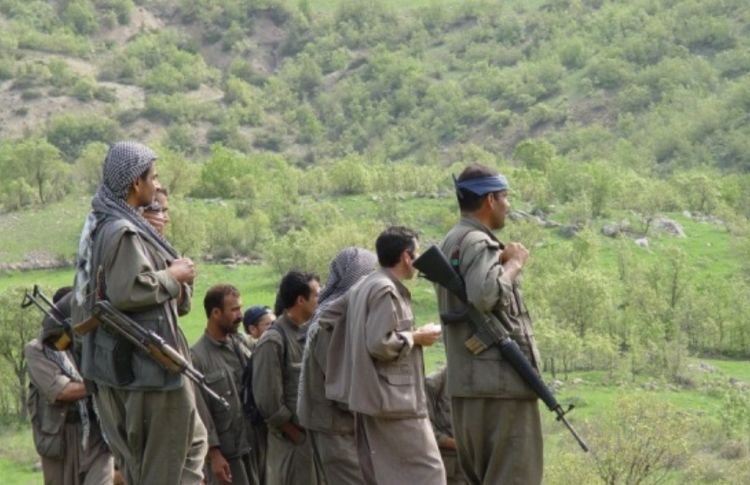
(16, 329)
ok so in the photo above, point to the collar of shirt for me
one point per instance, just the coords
(474, 223)
(402, 289)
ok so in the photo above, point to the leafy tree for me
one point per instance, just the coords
(71, 133)
(17, 327)
(41, 166)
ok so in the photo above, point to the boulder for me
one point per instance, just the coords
(669, 226)
(642, 242)
(611, 230)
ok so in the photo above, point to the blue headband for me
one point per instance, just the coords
(482, 185)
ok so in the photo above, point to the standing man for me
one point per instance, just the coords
(147, 413)
(66, 432)
(495, 414)
(331, 427)
(257, 320)
(221, 354)
(379, 372)
(276, 370)
(439, 406)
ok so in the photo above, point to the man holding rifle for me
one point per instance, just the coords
(495, 413)
(147, 413)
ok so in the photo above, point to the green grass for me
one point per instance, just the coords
(17, 456)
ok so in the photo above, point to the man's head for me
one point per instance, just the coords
(483, 193)
(223, 309)
(298, 295)
(157, 213)
(397, 248)
(129, 173)
(257, 319)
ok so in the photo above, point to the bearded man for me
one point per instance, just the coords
(148, 414)
(222, 355)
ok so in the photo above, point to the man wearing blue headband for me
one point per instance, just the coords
(495, 414)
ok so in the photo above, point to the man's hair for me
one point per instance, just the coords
(469, 201)
(215, 297)
(294, 284)
(392, 242)
(60, 293)
(144, 175)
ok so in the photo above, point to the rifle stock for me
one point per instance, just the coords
(489, 331)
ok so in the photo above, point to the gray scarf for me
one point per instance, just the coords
(349, 265)
(125, 162)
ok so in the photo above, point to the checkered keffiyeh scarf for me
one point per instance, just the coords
(125, 161)
(349, 265)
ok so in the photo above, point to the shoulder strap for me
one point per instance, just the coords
(282, 332)
(455, 254)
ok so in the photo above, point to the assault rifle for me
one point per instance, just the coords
(51, 310)
(489, 330)
(142, 338)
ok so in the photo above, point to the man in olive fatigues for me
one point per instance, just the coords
(439, 406)
(329, 425)
(221, 354)
(66, 432)
(148, 414)
(377, 370)
(495, 414)
(276, 370)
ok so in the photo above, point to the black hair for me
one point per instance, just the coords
(469, 201)
(60, 293)
(392, 242)
(293, 285)
(215, 297)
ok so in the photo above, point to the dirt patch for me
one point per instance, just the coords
(141, 20)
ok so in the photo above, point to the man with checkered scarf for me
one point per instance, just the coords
(147, 414)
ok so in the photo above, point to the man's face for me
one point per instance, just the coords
(163, 202)
(411, 255)
(261, 325)
(145, 189)
(310, 304)
(499, 205)
(231, 316)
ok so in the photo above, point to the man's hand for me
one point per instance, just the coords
(156, 219)
(447, 443)
(294, 433)
(427, 335)
(183, 270)
(219, 465)
(513, 258)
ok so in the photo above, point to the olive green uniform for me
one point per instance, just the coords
(276, 371)
(329, 424)
(148, 414)
(439, 406)
(223, 364)
(379, 374)
(495, 414)
(58, 430)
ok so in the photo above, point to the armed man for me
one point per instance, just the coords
(222, 355)
(495, 413)
(65, 427)
(147, 413)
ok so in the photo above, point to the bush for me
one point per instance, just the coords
(70, 133)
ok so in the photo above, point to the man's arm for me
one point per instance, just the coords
(383, 339)
(52, 384)
(132, 283)
(487, 281)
